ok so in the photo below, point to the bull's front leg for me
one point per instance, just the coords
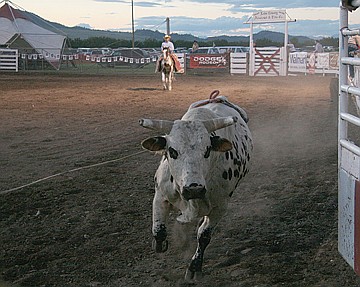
(194, 271)
(161, 209)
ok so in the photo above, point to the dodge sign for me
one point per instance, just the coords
(208, 61)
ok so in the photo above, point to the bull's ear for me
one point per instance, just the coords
(220, 144)
(154, 143)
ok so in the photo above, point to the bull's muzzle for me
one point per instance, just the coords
(193, 191)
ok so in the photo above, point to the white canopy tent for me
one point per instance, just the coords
(30, 34)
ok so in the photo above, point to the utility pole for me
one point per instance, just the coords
(132, 24)
(168, 26)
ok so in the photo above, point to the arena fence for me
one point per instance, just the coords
(348, 152)
(9, 60)
(270, 61)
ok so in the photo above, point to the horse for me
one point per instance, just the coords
(167, 67)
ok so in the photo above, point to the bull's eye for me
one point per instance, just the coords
(207, 153)
(173, 153)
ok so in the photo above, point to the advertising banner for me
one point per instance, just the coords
(297, 62)
(323, 60)
(208, 61)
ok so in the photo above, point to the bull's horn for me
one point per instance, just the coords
(158, 125)
(219, 123)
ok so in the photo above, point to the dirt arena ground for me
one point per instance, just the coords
(92, 227)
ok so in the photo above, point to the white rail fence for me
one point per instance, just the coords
(272, 62)
(239, 63)
(268, 61)
(9, 60)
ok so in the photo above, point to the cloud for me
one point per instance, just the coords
(112, 1)
(312, 19)
(84, 25)
(136, 3)
(245, 5)
(233, 26)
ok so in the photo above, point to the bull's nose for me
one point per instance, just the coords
(193, 191)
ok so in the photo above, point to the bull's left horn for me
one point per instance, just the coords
(219, 123)
(158, 125)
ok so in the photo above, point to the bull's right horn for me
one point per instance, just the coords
(219, 123)
(158, 125)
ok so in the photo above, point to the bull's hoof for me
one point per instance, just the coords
(193, 275)
(160, 246)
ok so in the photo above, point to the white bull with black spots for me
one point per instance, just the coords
(351, 5)
(205, 155)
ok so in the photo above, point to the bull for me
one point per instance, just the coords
(351, 5)
(204, 157)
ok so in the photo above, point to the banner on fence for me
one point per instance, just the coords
(208, 61)
(323, 60)
(297, 62)
(334, 61)
(312, 63)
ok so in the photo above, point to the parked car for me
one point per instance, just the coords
(84, 51)
(206, 50)
(152, 51)
(233, 49)
(181, 50)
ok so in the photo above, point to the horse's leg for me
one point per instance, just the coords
(171, 75)
(163, 78)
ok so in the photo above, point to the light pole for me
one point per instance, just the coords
(132, 24)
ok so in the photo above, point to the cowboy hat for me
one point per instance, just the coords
(167, 37)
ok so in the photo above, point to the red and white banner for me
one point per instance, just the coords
(208, 61)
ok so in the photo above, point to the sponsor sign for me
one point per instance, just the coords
(334, 61)
(323, 60)
(269, 16)
(312, 63)
(208, 61)
(297, 62)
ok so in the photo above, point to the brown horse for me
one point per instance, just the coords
(167, 66)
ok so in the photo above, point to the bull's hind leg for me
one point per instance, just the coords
(161, 209)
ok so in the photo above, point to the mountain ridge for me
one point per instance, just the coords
(78, 32)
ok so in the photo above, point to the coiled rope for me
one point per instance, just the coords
(70, 171)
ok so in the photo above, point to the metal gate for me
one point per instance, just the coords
(268, 61)
(348, 153)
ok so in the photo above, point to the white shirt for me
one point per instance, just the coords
(169, 45)
(354, 40)
(319, 48)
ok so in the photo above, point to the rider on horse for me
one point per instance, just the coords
(169, 45)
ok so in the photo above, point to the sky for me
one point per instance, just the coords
(200, 18)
